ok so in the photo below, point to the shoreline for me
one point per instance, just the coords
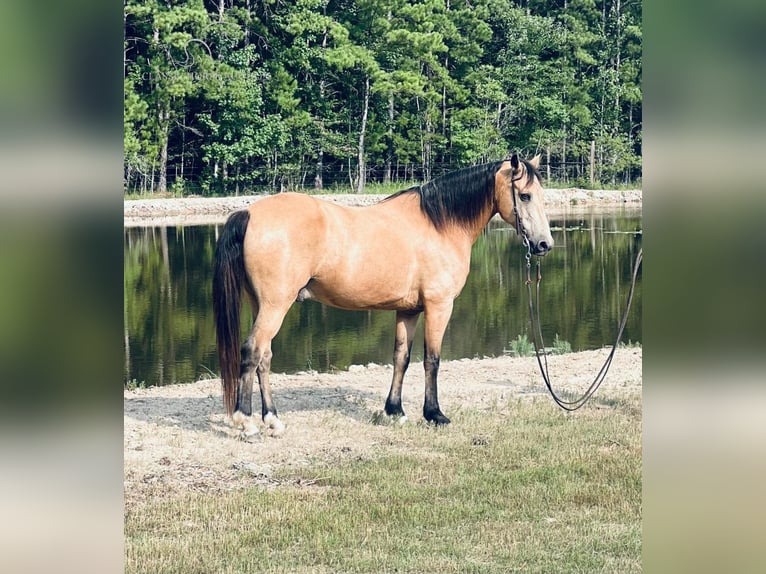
(212, 210)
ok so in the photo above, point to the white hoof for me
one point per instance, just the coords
(252, 437)
(381, 418)
(247, 425)
(276, 427)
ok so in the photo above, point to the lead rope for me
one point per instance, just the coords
(537, 331)
(542, 357)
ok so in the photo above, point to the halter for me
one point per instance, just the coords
(519, 228)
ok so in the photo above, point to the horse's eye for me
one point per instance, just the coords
(525, 196)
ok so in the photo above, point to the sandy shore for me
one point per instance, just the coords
(177, 440)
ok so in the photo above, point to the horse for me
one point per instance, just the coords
(408, 253)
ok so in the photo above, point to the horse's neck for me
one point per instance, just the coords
(469, 230)
(480, 224)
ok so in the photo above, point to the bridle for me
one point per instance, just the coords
(534, 318)
(519, 229)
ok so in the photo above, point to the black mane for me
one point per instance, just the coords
(460, 196)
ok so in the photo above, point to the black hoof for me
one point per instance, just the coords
(436, 417)
(394, 410)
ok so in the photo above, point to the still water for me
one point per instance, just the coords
(170, 333)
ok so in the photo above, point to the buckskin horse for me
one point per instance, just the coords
(408, 253)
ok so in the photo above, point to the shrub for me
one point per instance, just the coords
(560, 346)
(521, 346)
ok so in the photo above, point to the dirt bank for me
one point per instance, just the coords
(176, 438)
(198, 210)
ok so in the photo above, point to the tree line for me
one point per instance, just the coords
(228, 96)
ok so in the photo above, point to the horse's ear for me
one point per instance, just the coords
(515, 161)
(535, 162)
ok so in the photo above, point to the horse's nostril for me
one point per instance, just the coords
(543, 246)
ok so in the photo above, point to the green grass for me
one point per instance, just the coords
(584, 183)
(170, 194)
(369, 189)
(526, 488)
(629, 344)
(134, 384)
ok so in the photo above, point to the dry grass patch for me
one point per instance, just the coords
(525, 488)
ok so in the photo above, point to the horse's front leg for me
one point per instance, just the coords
(406, 322)
(436, 318)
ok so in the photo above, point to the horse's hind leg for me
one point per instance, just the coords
(256, 362)
(243, 409)
(268, 410)
(266, 326)
(244, 406)
(406, 321)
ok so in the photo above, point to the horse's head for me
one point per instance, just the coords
(522, 176)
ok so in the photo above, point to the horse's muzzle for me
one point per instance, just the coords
(541, 248)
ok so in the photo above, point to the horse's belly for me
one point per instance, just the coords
(360, 297)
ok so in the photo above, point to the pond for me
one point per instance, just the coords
(169, 332)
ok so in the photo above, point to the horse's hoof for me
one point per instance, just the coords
(275, 426)
(393, 411)
(383, 418)
(248, 427)
(250, 437)
(437, 419)
(379, 418)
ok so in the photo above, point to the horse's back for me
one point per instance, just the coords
(321, 226)
(382, 256)
(282, 208)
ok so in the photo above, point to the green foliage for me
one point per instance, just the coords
(133, 384)
(247, 96)
(521, 346)
(560, 346)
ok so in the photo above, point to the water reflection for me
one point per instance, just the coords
(170, 333)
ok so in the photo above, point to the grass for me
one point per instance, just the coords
(369, 189)
(170, 194)
(584, 183)
(134, 384)
(526, 488)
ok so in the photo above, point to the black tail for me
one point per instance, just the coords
(228, 276)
